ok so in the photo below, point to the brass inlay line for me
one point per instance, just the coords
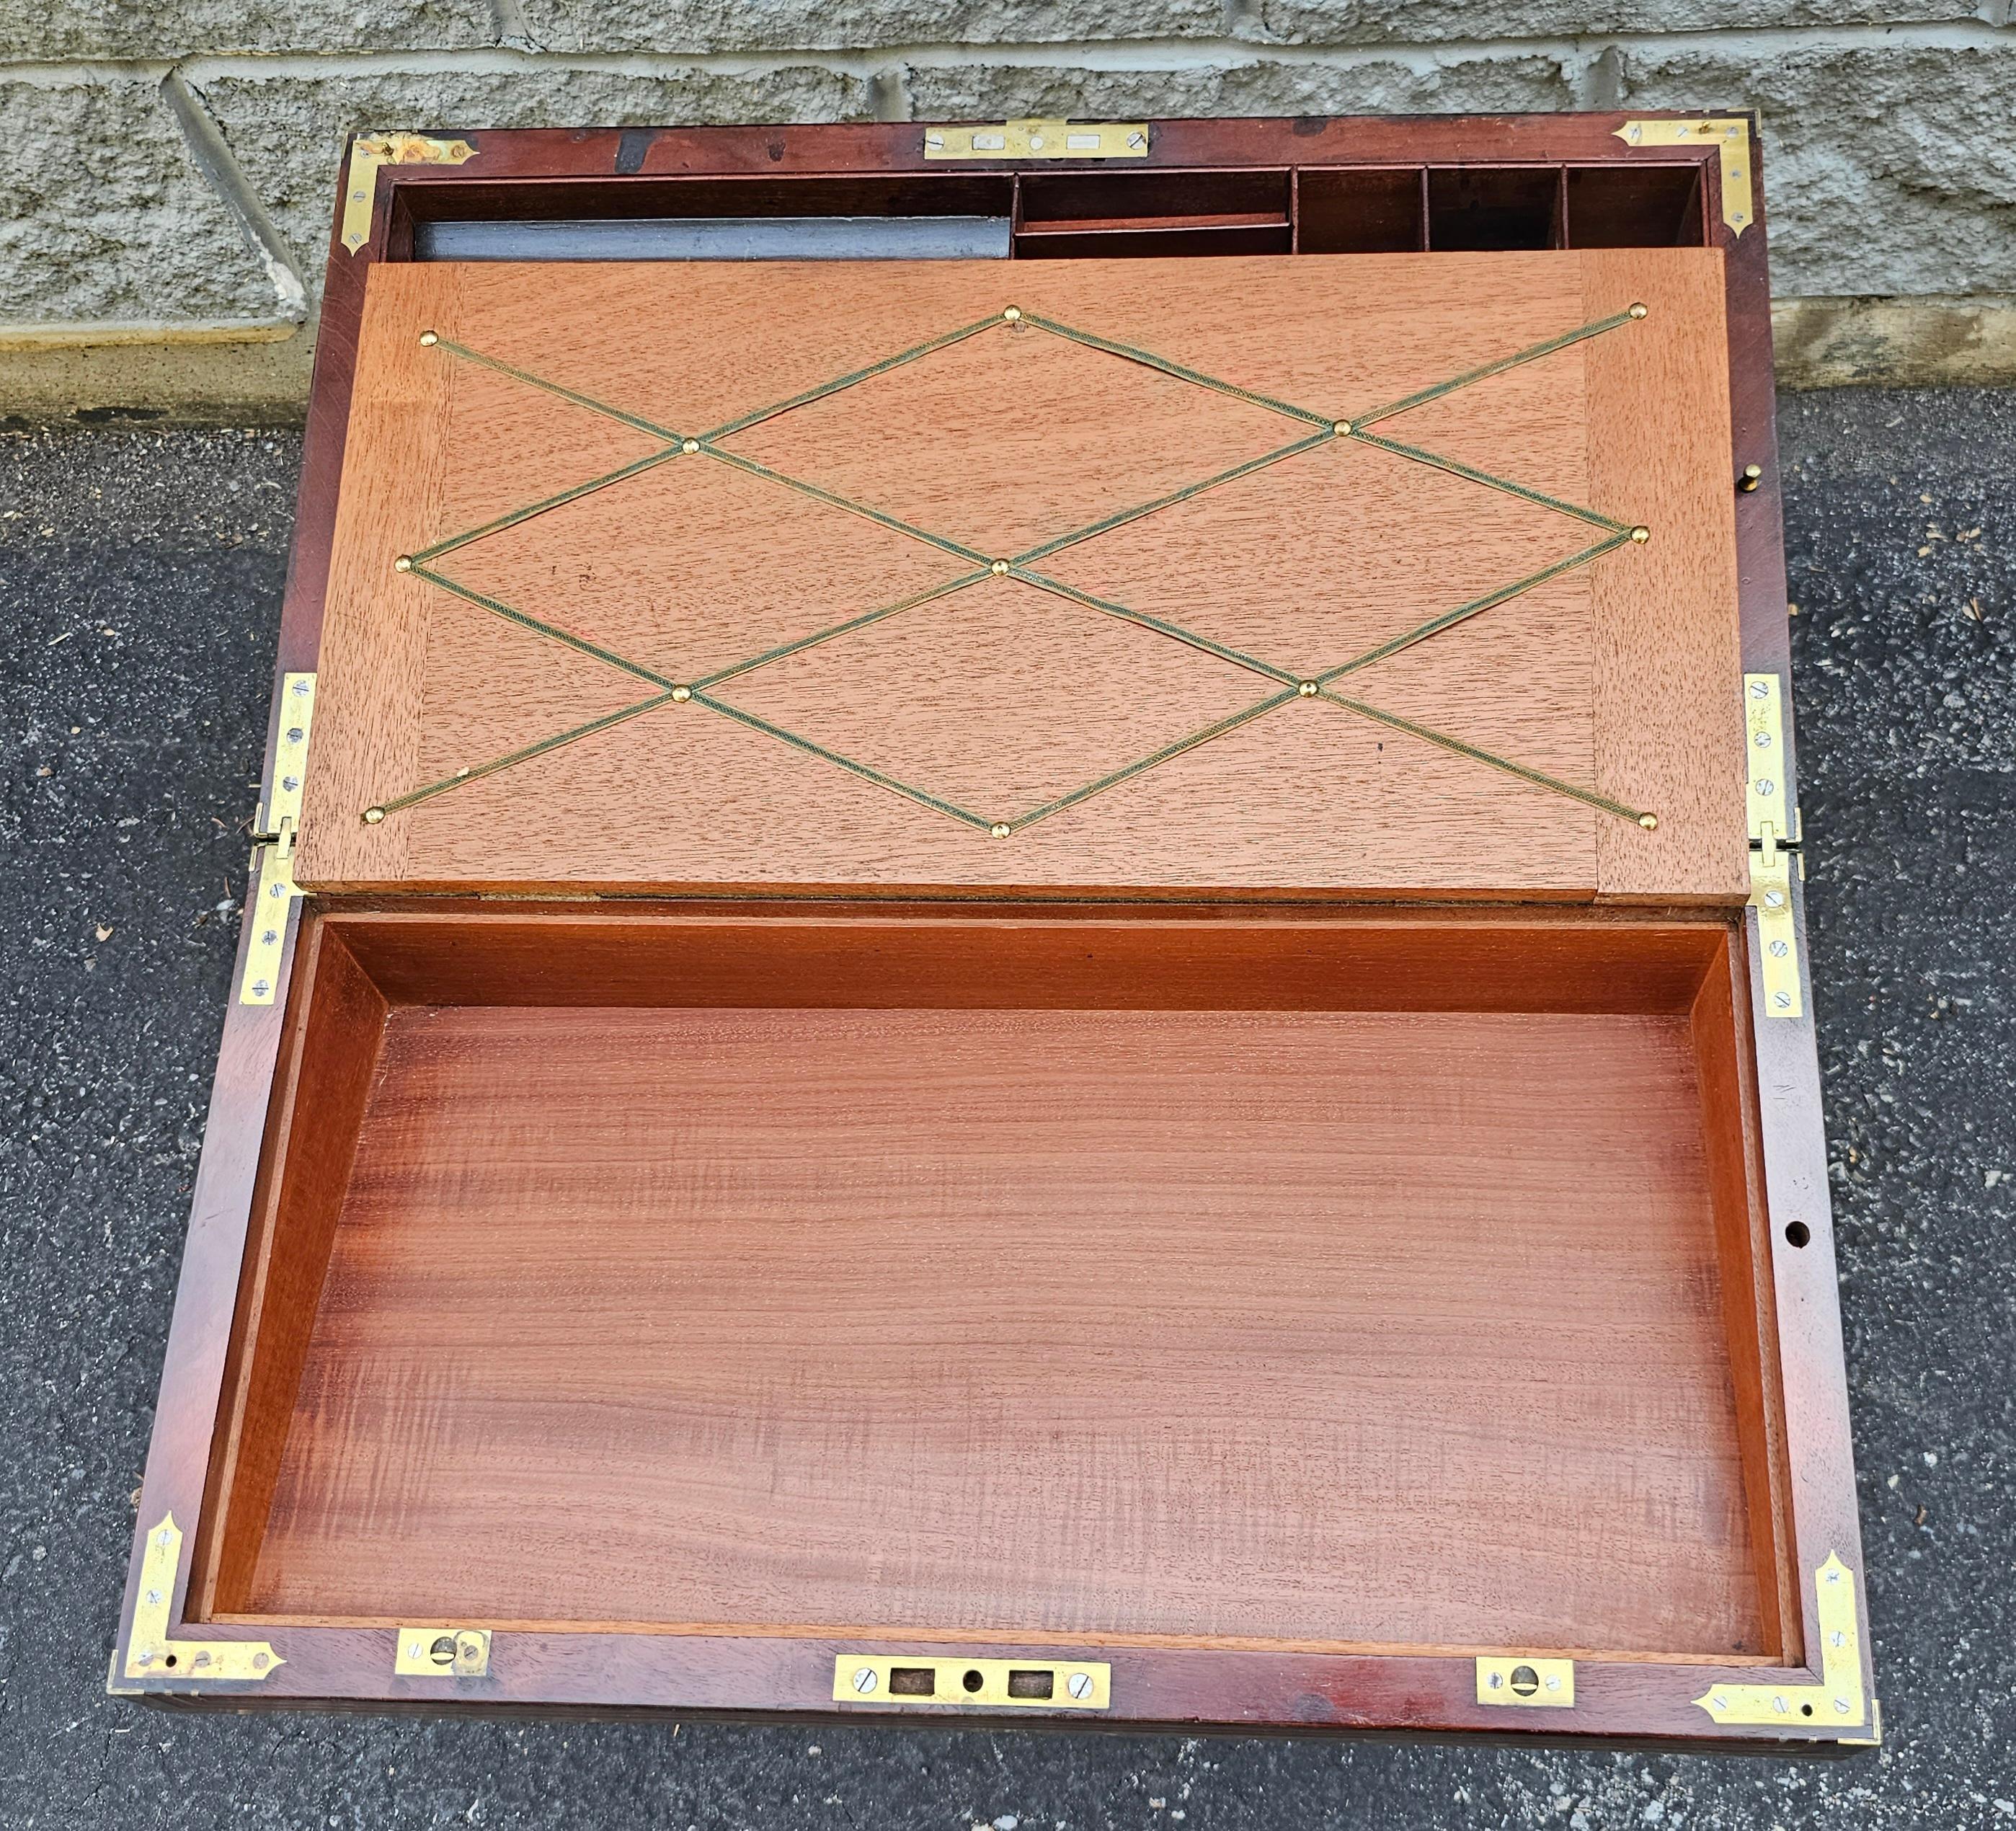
(1149, 360)
(553, 387)
(1491, 599)
(1237, 657)
(498, 608)
(1149, 762)
(1532, 353)
(1294, 686)
(1189, 492)
(923, 797)
(859, 375)
(827, 496)
(1539, 778)
(945, 589)
(441, 548)
(479, 770)
(1455, 468)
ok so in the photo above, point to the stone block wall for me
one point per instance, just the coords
(167, 166)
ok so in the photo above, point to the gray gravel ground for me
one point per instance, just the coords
(140, 573)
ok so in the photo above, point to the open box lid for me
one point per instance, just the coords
(1407, 575)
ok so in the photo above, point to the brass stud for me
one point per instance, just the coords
(1012, 315)
(1641, 534)
(999, 568)
(1342, 429)
(1753, 474)
(1649, 821)
(1308, 689)
(372, 815)
(428, 340)
(1000, 829)
(682, 695)
(689, 446)
(403, 563)
(1637, 310)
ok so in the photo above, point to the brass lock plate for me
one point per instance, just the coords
(442, 1653)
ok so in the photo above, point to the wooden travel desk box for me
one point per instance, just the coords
(1026, 946)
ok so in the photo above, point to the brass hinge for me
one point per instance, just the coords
(276, 826)
(369, 151)
(1040, 139)
(1837, 1700)
(1774, 828)
(1729, 135)
(1519, 1678)
(441, 1652)
(150, 1653)
(991, 1684)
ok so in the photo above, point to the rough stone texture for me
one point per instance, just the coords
(140, 578)
(288, 131)
(1429, 22)
(805, 25)
(103, 215)
(178, 28)
(1885, 171)
(963, 90)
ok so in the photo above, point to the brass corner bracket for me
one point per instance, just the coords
(1730, 137)
(1836, 1702)
(369, 151)
(151, 1654)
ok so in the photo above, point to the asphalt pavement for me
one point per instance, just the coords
(140, 579)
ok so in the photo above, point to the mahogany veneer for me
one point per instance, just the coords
(732, 1195)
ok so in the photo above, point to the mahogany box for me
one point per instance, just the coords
(1026, 946)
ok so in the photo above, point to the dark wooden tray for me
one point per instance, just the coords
(808, 1209)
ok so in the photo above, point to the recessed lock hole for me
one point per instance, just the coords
(170, 1661)
(1031, 1684)
(972, 1680)
(911, 1682)
(1525, 1680)
(1805, 1709)
(1798, 1233)
(442, 1652)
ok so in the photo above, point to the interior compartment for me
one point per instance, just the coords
(1282, 1279)
(1073, 213)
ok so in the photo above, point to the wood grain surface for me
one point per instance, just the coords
(1005, 696)
(1291, 1329)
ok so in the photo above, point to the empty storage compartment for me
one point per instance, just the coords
(1351, 1280)
(1103, 213)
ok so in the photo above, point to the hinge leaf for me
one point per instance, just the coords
(277, 827)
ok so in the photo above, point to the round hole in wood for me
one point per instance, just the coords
(972, 1680)
(1797, 1232)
